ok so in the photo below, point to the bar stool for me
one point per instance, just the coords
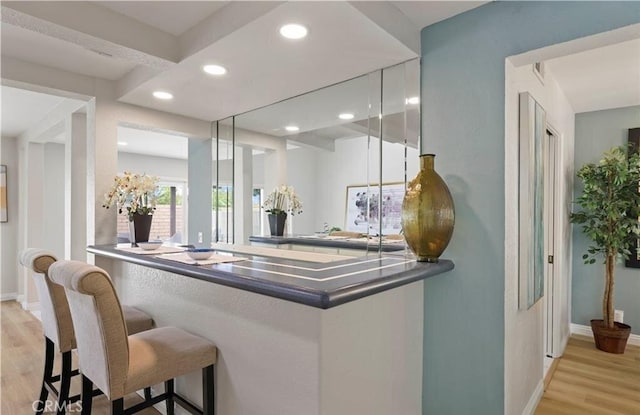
(58, 328)
(119, 364)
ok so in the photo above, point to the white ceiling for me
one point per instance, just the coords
(21, 109)
(602, 78)
(152, 143)
(143, 46)
(264, 67)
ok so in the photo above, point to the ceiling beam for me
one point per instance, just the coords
(26, 75)
(392, 21)
(311, 139)
(95, 28)
(223, 22)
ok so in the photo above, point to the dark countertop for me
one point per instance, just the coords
(346, 243)
(320, 285)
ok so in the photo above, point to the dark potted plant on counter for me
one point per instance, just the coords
(279, 202)
(135, 194)
(609, 210)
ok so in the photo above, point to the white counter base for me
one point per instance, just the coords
(282, 358)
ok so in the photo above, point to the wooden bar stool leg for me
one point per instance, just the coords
(87, 395)
(49, 356)
(65, 383)
(208, 397)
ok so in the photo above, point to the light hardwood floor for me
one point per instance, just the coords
(588, 381)
(22, 362)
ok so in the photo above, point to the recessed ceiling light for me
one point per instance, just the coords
(162, 95)
(293, 31)
(123, 143)
(413, 100)
(214, 69)
(292, 128)
(346, 116)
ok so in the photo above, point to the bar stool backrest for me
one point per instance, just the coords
(55, 313)
(99, 324)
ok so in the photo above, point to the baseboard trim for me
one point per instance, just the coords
(530, 409)
(9, 297)
(634, 339)
(35, 306)
(550, 372)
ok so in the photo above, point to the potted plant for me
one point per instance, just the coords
(135, 194)
(609, 211)
(279, 202)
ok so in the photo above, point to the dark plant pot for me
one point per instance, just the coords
(610, 340)
(140, 228)
(276, 223)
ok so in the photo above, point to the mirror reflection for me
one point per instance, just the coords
(347, 151)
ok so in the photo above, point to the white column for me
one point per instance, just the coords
(53, 198)
(34, 213)
(76, 185)
(102, 163)
(243, 186)
(200, 186)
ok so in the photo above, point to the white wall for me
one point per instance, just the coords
(304, 170)
(524, 348)
(53, 217)
(9, 230)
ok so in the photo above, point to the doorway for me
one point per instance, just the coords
(551, 330)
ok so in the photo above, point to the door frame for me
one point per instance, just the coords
(552, 280)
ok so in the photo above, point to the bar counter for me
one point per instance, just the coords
(316, 284)
(297, 332)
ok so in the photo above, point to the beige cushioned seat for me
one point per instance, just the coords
(181, 351)
(119, 364)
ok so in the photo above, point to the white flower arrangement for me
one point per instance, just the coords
(134, 192)
(283, 199)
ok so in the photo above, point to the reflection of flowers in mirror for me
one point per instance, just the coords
(283, 199)
(134, 192)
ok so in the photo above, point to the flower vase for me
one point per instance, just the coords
(276, 223)
(139, 228)
(427, 213)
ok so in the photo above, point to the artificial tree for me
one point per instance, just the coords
(609, 211)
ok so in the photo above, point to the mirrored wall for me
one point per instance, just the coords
(347, 150)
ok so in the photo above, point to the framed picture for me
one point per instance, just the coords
(533, 126)
(3, 194)
(634, 143)
(363, 212)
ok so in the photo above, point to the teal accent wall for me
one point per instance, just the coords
(463, 111)
(597, 132)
